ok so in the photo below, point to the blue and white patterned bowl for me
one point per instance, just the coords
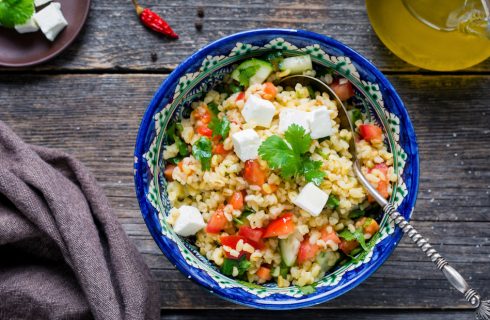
(197, 75)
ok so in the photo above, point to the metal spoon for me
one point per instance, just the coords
(453, 276)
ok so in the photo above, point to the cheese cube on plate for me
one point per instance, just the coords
(289, 116)
(258, 111)
(39, 3)
(320, 123)
(189, 222)
(50, 20)
(246, 144)
(311, 199)
(29, 26)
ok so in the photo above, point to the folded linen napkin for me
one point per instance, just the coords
(63, 255)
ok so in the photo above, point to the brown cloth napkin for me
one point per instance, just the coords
(63, 255)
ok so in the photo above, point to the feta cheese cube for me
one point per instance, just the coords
(29, 26)
(289, 116)
(246, 144)
(320, 123)
(39, 3)
(50, 20)
(258, 111)
(189, 222)
(311, 199)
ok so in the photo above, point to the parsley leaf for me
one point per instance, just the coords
(290, 155)
(297, 137)
(356, 213)
(358, 235)
(201, 150)
(307, 289)
(241, 264)
(213, 107)
(246, 74)
(220, 127)
(14, 12)
(333, 202)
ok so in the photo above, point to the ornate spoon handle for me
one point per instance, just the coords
(453, 276)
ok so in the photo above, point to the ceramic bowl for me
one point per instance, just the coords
(198, 74)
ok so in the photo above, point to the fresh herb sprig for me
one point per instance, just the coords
(201, 150)
(220, 127)
(290, 155)
(14, 12)
(357, 235)
(241, 264)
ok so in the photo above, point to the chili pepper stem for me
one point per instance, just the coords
(139, 9)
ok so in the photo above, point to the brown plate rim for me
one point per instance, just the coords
(57, 52)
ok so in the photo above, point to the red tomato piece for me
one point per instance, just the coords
(348, 246)
(330, 236)
(203, 130)
(307, 251)
(253, 173)
(383, 188)
(217, 222)
(371, 132)
(219, 149)
(231, 241)
(370, 228)
(236, 200)
(264, 273)
(169, 169)
(254, 234)
(240, 96)
(382, 167)
(281, 226)
(203, 114)
(344, 91)
(270, 91)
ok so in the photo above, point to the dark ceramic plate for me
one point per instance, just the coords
(21, 50)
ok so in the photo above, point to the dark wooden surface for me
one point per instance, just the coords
(89, 102)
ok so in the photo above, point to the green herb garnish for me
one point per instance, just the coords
(333, 202)
(201, 150)
(275, 58)
(289, 155)
(213, 107)
(173, 132)
(358, 235)
(14, 12)
(241, 264)
(245, 213)
(356, 213)
(307, 289)
(220, 127)
(246, 74)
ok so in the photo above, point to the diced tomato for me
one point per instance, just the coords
(344, 91)
(264, 273)
(382, 167)
(219, 149)
(240, 96)
(371, 228)
(203, 130)
(203, 114)
(330, 236)
(254, 234)
(236, 200)
(253, 174)
(217, 222)
(231, 241)
(383, 183)
(281, 226)
(269, 188)
(371, 132)
(270, 91)
(181, 165)
(348, 246)
(169, 169)
(383, 188)
(307, 251)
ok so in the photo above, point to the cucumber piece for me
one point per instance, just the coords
(276, 272)
(327, 259)
(289, 249)
(296, 64)
(252, 71)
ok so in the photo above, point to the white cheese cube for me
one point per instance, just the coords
(189, 222)
(50, 20)
(246, 144)
(39, 3)
(289, 116)
(320, 123)
(311, 199)
(29, 26)
(258, 111)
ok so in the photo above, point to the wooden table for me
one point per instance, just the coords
(89, 102)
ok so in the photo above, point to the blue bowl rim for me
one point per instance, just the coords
(179, 71)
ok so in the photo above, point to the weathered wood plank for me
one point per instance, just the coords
(113, 38)
(100, 129)
(314, 314)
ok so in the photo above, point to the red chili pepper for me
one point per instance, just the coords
(153, 21)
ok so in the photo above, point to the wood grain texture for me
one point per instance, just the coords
(96, 117)
(113, 38)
